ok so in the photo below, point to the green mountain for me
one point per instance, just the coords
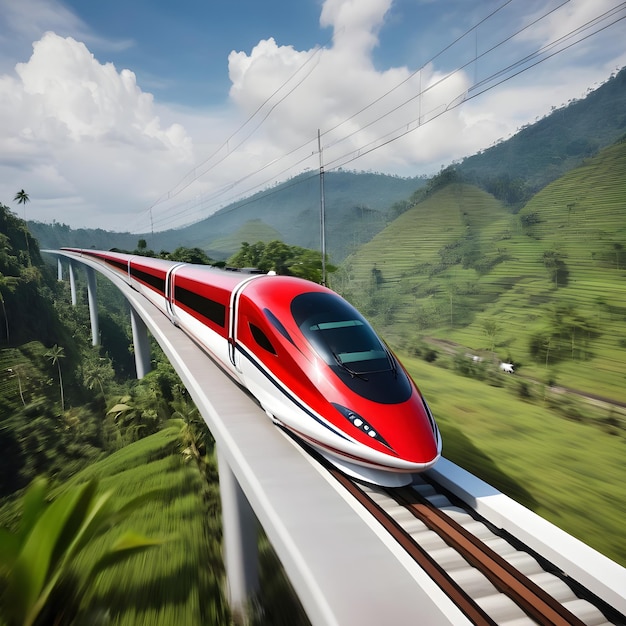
(251, 231)
(360, 205)
(357, 207)
(543, 288)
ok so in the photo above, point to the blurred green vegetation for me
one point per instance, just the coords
(180, 581)
(543, 288)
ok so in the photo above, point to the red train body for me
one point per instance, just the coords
(313, 362)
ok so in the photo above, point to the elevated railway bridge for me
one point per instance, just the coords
(448, 549)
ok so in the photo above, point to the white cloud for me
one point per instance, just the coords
(337, 97)
(27, 19)
(576, 14)
(355, 26)
(71, 126)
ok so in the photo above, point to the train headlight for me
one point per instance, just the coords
(361, 423)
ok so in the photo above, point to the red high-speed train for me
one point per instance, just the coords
(310, 358)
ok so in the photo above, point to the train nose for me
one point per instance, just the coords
(412, 433)
(405, 434)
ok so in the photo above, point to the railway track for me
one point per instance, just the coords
(491, 576)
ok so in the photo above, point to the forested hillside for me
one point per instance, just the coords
(36, 349)
(543, 287)
(56, 389)
(546, 149)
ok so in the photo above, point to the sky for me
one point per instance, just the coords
(138, 116)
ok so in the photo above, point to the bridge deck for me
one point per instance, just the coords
(343, 569)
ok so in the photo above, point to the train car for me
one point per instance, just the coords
(310, 358)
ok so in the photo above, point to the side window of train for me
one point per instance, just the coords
(277, 324)
(261, 338)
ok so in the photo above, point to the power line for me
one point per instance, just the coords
(442, 80)
(527, 62)
(194, 173)
(461, 99)
(424, 65)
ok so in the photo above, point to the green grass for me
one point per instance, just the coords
(560, 468)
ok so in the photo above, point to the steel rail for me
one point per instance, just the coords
(531, 598)
(465, 603)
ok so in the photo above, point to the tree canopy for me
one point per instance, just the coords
(283, 259)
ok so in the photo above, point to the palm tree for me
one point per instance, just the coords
(97, 374)
(491, 328)
(7, 285)
(55, 354)
(21, 197)
(135, 416)
(191, 431)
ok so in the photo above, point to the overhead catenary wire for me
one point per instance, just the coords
(195, 173)
(447, 76)
(543, 53)
(414, 124)
(363, 150)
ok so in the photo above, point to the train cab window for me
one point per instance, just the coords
(339, 333)
(262, 339)
(350, 347)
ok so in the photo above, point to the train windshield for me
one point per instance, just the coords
(349, 345)
(338, 333)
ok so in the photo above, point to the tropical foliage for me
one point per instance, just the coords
(21, 197)
(35, 560)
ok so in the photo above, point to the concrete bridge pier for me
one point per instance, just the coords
(91, 296)
(240, 532)
(141, 344)
(93, 305)
(72, 283)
